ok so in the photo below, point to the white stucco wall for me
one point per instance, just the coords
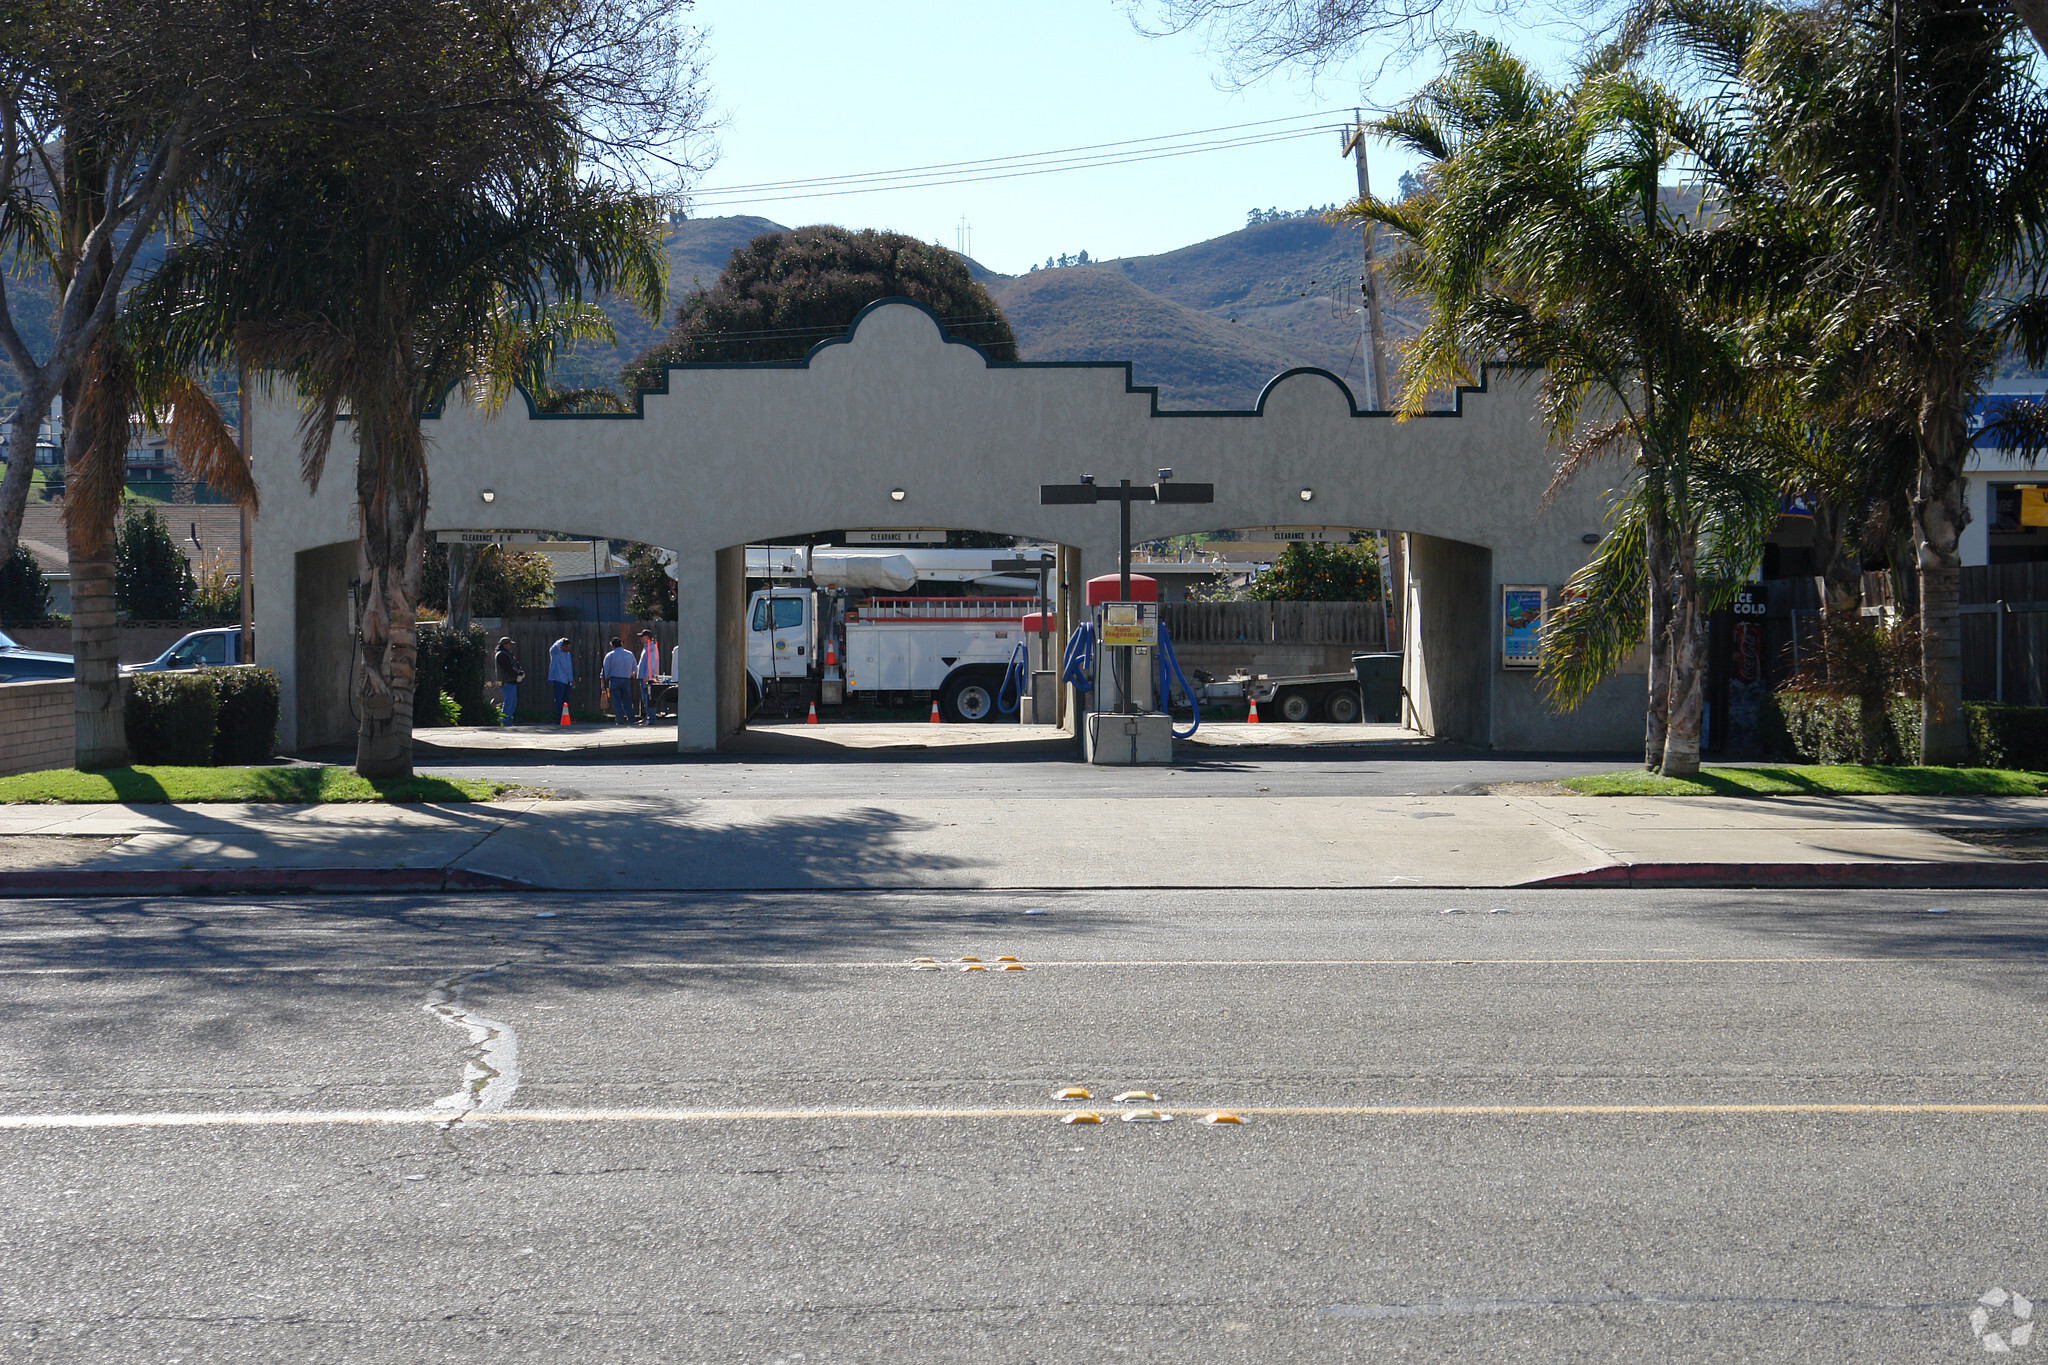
(731, 455)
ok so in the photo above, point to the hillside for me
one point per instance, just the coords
(1090, 313)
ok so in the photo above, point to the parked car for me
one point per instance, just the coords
(30, 665)
(202, 648)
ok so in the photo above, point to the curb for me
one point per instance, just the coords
(252, 881)
(1766, 876)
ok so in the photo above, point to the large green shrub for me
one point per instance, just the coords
(24, 592)
(452, 663)
(152, 581)
(1820, 729)
(2004, 736)
(245, 724)
(172, 717)
(1311, 572)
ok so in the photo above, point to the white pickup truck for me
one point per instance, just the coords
(807, 645)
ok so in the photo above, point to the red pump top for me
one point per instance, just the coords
(1109, 588)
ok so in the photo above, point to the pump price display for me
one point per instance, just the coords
(1128, 623)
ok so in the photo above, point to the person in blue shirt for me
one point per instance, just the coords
(618, 680)
(561, 672)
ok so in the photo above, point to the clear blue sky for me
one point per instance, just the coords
(810, 89)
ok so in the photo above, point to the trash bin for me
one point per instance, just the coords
(1379, 687)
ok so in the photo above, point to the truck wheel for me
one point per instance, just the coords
(1342, 706)
(1294, 706)
(969, 698)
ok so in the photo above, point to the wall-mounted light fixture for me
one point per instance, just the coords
(490, 495)
(1308, 495)
(897, 495)
(1165, 474)
(1590, 538)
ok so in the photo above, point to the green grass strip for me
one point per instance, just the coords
(298, 786)
(1819, 779)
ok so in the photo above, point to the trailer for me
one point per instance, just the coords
(810, 646)
(1297, 697)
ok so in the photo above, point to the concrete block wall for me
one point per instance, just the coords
(35, 726)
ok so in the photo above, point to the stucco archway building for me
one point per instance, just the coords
(732, 455)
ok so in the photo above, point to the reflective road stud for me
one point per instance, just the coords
(1082, 1116)
(1148, 1116)
(1222, 1118)
(1015, 967)
(1073, 1092)
(1006, 958)
(1136, 1095)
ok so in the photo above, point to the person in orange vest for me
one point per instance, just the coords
(646, 673)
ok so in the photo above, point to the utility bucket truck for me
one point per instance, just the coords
(858, 629)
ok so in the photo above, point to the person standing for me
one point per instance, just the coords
(646, 673)
(561, 672)
(510, 675)
(618, 680)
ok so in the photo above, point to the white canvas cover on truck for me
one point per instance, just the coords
(888, 573)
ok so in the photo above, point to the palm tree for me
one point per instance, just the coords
(1545, 238)
(1923, 134)
(377, 296)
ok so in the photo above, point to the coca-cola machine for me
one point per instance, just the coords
(1740, 680)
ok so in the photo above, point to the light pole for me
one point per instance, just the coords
(1124, 494)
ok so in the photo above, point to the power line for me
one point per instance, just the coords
(830, 187)
(983, 161)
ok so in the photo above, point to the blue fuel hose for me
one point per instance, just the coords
(1013, 682)
(1167, 661)
(1080, 656)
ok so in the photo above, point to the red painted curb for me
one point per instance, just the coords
(250, 881)
(1932, 876)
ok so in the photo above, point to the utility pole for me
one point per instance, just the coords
(1372, 338)
(1373, 341)
(245, 652)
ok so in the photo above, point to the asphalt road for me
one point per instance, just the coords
(658, 1183)
(1365, 771)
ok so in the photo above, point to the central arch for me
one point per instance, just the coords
(898, 426)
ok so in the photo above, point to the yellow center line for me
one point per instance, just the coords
(394, 1117)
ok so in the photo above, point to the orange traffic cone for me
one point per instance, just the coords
(565, 713)
(1253, 718)
(812, 719)
(935, 712)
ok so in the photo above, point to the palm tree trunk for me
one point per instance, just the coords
(1657, 536)
(390, 554)
(97, 696)
(1938, 520)
(1841, 575)
(22, 429)
(1688, 666)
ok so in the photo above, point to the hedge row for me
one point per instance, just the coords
(1841, 730)
(452, 664)
(203, 716)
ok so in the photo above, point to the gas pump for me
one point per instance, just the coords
(1121, 719)
(1115, 650)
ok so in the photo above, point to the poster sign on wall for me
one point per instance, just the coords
(1522, 609)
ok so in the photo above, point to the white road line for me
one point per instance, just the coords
(783, 964)
(308, 1118)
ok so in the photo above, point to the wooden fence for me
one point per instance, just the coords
(1356, 625)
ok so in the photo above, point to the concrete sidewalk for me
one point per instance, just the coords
(1509, 837)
